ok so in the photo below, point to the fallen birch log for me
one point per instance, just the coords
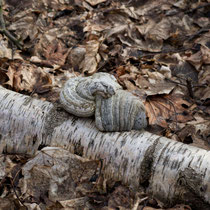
(170, 171)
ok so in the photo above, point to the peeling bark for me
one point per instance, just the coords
(169, 170)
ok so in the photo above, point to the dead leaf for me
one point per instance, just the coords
(75, 203)
(120, 70)
(180, 207)
(203, 92)
(186, 134)
(24, 25)
(154, 83)
(128, 79)
(3, 77)
(6, 52)
(120, 198)
(95, 2)
(144, 43)
(185, 71)
(92, 58)
(206, 54)
(59, 174)
(56, 53)
(162, 110)
(167, 59)
(27, 77)
(7, 203)
(200, 58)
(201, 127)
(52, 50)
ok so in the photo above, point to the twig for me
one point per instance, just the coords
(198, 7)
(13, 186)
(138, 202)
(5, 31)
(178, 83)
(195, 35)
(147, 53)
(175, 114)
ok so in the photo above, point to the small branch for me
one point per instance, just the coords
(195, 35)
(175, 114)
(14, 188)
(147, 53)
(5, 31)
(198, 7)
(138, 159)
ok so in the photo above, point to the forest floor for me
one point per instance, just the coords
(158, 50)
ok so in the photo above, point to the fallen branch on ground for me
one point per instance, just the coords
(170, 171)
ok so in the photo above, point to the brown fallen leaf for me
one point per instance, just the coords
(142, 43)
(95, 2)
(50, 53)
(77, 203)
(26, 26)
(185, 71)
(59, 174)
(7, 203)
(120, 70)
(201, 127)
(120, 198)
(186, 134)
(128, 79)
(153, 83)
(6, 52)
(27, 77)
(199, 58)
(3, 77)
(56, 53)
(202, 92)
(195, 60)
(196, 134)
(92, 58)
(161, 109)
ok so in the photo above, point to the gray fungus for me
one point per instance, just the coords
(115, 109)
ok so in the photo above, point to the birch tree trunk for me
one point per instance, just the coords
(170, 171)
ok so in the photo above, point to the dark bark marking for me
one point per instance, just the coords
(91, 143)
(123, 142)
(125, 164)
(53, 119)
(5, 96)
(147, 165)
(78, 148)
(162, 152)
(27, 100)
(116, 152)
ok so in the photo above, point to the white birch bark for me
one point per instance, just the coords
(169, 170)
